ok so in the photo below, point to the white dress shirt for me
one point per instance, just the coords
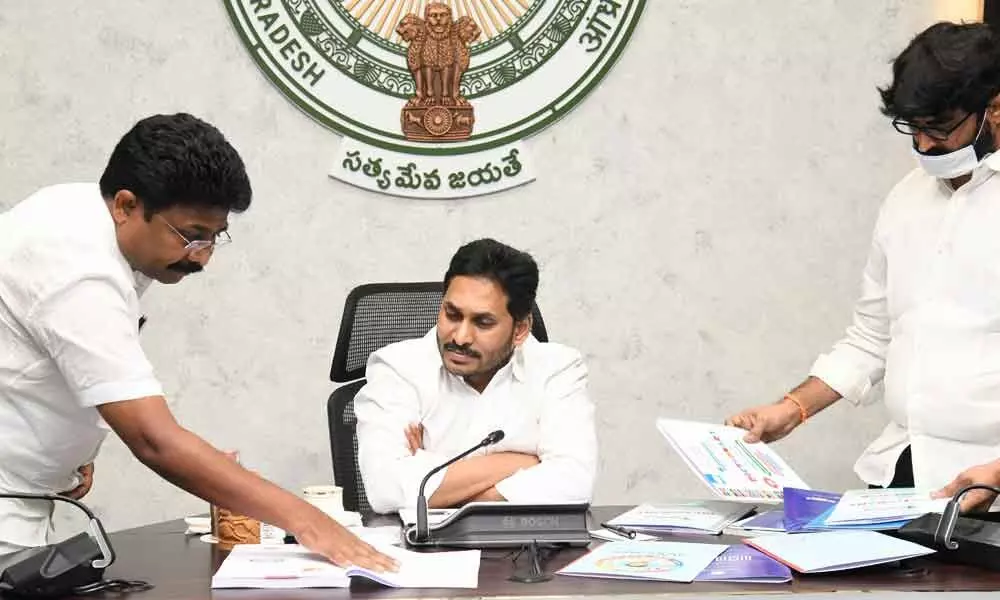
(539, 399)
(69, 312)
(928, 323)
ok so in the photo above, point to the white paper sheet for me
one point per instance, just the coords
(835, 550)
(881, 505)
(293, 566)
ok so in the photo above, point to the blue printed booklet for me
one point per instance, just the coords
(881, 507)
(802, 507)
(811, 510)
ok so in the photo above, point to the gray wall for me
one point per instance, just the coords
(701, 222)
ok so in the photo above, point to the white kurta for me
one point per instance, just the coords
(928, 323)
(539, 399)
(69, 312)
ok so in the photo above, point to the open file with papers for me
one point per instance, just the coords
(708, 517)
(293, 566)
(828, 551)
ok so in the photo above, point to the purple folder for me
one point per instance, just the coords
(802, 507)
(743, 564)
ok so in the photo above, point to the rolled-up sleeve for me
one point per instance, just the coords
(567, 449)
(92, 335)
(857, 362)
(385, 406)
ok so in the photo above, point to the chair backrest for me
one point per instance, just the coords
(344, 446)
(376, 315)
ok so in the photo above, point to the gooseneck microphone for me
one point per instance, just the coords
(949, 516)
(72, 567)
(423, 531)
(96, 528)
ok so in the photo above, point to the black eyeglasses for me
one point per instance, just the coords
(940, 134)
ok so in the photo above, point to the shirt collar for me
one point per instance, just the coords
(986, 168)
(518, 369)
(983, 171)
(993, 161)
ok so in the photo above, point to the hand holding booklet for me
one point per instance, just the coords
(731, 468)
(293, 566)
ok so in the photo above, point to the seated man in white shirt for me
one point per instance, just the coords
(928, 318)
(74, 259)
(478, 370)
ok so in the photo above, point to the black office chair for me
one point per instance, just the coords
(376, 315)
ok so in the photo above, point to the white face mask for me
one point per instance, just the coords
(954, 164)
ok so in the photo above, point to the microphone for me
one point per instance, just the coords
(423, 531)
(946, 525)
(96, 528)
(71, 567)
(949, 517)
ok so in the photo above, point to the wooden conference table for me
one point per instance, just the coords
(181, 567)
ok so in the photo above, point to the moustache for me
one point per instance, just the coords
(185, 266)
(464, 350)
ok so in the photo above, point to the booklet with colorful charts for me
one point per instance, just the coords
(732, 468)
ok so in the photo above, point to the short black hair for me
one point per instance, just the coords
(515, 271)
(947, 67)
(168, 160)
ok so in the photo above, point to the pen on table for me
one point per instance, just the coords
(619, 530)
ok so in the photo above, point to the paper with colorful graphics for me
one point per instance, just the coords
(658, 561)
(729, 466)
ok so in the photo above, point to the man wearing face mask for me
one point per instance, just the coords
(477, 371)
(74, 259)
(927, 323)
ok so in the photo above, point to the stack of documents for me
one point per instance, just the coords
(835, 550)
(805, 509)
(732, 468)
(293, 566)
(743, 564)
(772, 521)
(709, 517)
(655, 561)
(883, 506)
(878, 509)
